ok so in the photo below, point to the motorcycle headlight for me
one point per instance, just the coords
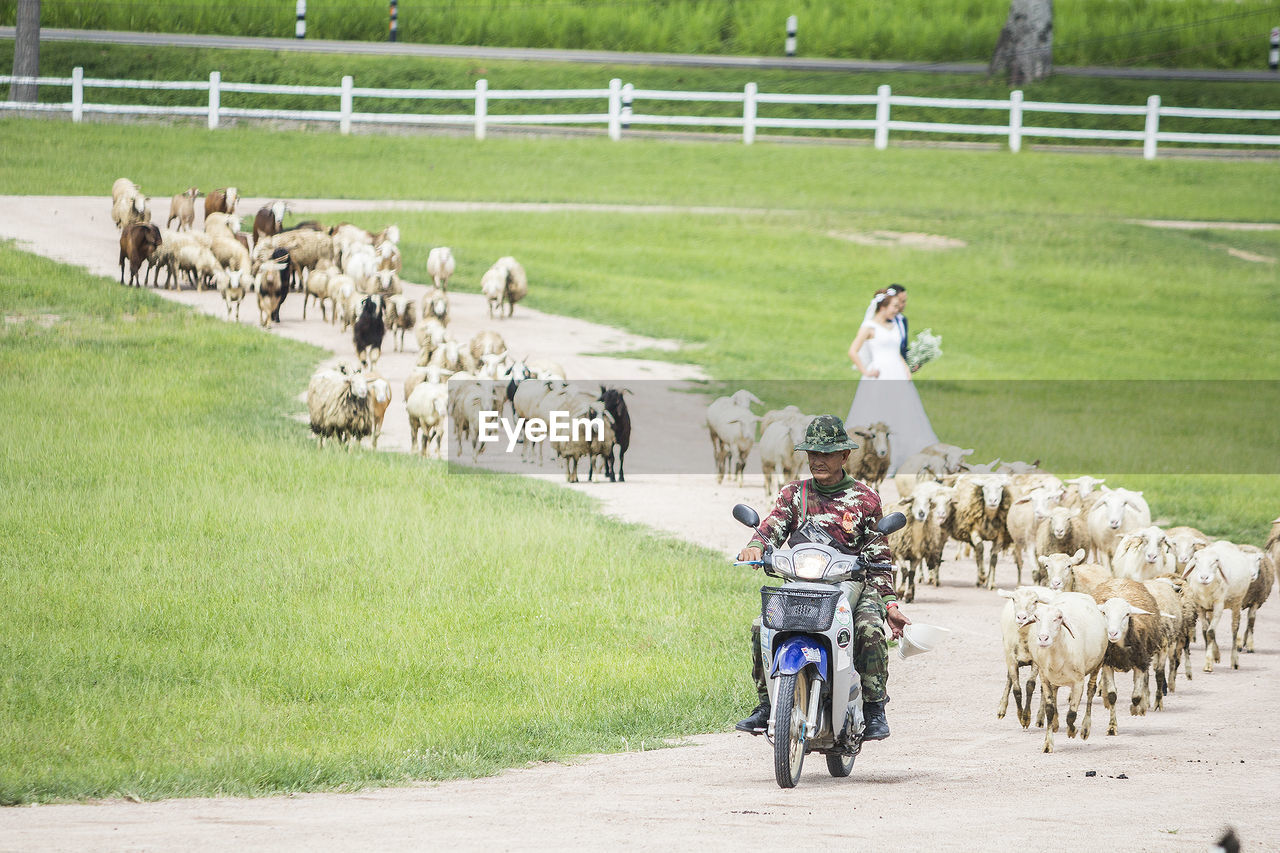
(782, 563)
(841, 567)
(811, 565)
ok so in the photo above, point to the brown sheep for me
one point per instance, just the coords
(1178, 615)
(182, 207)
(870, 461)
(1063, 532)
(222, 200)
(138, 243)
(1134, 635)
(982, 504)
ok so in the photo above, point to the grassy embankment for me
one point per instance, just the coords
(114, 61)
(202, 603)
(1193, 33)
(198, 602)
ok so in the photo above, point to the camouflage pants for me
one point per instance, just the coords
(871, 648)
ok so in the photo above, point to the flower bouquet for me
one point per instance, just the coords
(925, 348)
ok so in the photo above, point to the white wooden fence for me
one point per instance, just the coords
(620, 111)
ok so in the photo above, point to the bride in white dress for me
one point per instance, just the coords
(886, 392)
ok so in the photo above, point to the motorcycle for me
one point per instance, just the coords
(806, 639)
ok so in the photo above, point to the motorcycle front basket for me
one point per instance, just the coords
(797, 610)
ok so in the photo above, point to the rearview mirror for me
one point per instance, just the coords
(892, 522)
(751, 518)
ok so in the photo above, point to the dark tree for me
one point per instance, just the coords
(1025, 50)
(26, 50)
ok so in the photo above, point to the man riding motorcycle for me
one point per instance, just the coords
(837, 510)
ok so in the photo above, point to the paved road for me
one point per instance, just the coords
(604, 57)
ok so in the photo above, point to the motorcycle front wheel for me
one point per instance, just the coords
(792, 712)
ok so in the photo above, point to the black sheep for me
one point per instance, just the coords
(369, 329)
(286, 279)
(616, 405)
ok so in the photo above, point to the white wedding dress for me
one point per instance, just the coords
(890, 397)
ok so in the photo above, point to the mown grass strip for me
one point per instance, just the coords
(198, 602)
(1194, 33)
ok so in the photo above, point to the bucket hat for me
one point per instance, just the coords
(826, 434)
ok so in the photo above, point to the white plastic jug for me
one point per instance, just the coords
(918, 639)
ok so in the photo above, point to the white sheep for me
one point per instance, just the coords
(440, 266)
(435, 304)
(427, 407)
(338, 403)
(402, 315)
(198, 263)
(1259, 591)
(1068, 644)
(504, 283)
(317, 289)
(917, 547)
(233, 285)
(1025, 514)
(1185, 541)
(1015, 629)
(1218, 577)
(1116, 512)
(1070, 573)
(129, 204)
(431, 335)
(732, 427)
(1084, 492)
(777, 452)
(1144, 554)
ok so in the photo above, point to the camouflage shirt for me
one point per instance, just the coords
(849, 514)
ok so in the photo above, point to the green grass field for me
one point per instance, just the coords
(1194, 33)
(198, 602)
(202, 603)
(245, 66)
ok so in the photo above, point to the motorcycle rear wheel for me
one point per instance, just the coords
(839, 765)
(792, 711)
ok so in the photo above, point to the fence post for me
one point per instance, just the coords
(628, 97)
(300, 28)
(482, 106)
(344, 120)
(1153, 127)
(394, 28)
(749, 114)
(215, 98)
(615, 109)
(882, 118)
(1015, 121)
(1273, 55)
(77, 93)
(790, 45)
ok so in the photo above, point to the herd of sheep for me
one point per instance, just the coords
(1109, 591)
(353, 276)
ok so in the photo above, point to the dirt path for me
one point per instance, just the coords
(952, 777)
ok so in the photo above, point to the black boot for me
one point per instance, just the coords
(758, 722)
(877, 727)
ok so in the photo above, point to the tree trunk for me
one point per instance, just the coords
(26, 51)
(1025, 49)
